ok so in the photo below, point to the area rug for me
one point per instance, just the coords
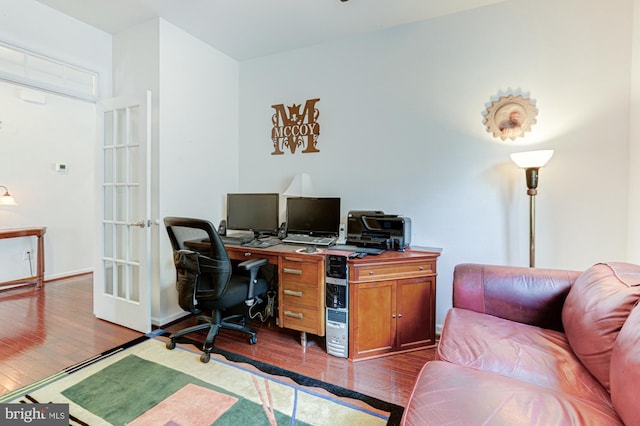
(143, 383)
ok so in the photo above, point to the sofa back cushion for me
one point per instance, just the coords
(533, 296)
(595, 310)
(625, 370)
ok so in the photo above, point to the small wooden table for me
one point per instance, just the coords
(38, 279)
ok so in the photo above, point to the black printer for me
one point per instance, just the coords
(376, 229)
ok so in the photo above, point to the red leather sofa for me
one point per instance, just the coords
(526, 346)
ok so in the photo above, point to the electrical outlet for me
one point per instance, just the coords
(26, 255)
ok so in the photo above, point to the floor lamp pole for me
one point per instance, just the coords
(532, 230)
(532, 185)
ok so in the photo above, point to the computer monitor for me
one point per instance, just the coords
(313, 216)
(255, 212)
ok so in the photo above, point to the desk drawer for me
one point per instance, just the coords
(300, 272)
(405, 269)
(301, 319)
(299, 294)
(247, 254)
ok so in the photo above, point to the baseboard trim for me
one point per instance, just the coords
(172, 319)
(81, 273)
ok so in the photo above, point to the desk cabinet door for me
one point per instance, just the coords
(415, 312)
(372, 310)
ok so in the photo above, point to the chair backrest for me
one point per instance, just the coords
(212, 266)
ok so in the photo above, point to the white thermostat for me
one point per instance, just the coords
(61, 168)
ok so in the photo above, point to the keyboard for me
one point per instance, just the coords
(235, 240)
(368, 250)
(263, 243)
(309, 239)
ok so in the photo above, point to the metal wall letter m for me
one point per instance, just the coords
(292, 129)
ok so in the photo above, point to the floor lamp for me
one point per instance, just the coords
(531, 162)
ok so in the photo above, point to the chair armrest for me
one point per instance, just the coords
(526, 295)
(252, 263)
(253, 266)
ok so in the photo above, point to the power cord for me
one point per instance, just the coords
(268, 310)
(30, 263)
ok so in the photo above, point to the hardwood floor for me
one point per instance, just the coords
(44, 331)
(47, 330)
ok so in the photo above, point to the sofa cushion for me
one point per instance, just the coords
(625, 370)
(448, 394)
(520, 351)
(596, 307)
(528, 295)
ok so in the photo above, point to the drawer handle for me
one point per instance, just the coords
(422, 268)
(292, 314)
(370, 272)
(292, 271)
(293, 293)
(247, 254)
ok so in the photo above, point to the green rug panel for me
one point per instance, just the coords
(124, 390)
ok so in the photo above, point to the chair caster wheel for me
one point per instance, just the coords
(205, 357)
(171, 345)
(253, 340)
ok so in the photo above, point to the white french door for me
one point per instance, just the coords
(122, 292)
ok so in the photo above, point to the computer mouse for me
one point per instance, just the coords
(310, 249)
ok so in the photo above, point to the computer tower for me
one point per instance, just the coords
(337, 305)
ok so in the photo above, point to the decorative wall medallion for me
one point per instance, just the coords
(293, 129)
(510, 117)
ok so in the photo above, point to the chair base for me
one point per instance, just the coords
(214, 324)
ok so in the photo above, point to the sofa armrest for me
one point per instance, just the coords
(526, 295)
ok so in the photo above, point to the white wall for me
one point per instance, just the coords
(401, 118)
(33, 26)
(633, 234)
(195, 133)
(37, 136)
(198, 142)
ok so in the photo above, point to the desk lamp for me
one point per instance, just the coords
(7, 199)
(300, 186)
(531, 162)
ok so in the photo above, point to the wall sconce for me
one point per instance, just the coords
(300, 186)
(531, 162)
(7, 199)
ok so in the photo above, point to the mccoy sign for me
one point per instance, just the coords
(293, 129)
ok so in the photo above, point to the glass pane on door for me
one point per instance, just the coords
(123, 208)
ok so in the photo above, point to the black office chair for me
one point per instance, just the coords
(207, 281)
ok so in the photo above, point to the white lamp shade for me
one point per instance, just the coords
(6, 199)
(532, 159)
(300, 186)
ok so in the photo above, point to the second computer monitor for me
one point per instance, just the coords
(257, 212)
(313, 216)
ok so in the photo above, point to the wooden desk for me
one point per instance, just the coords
(391, 296)
(38, 279)
(301, 290)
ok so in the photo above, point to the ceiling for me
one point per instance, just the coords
(245, 29)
